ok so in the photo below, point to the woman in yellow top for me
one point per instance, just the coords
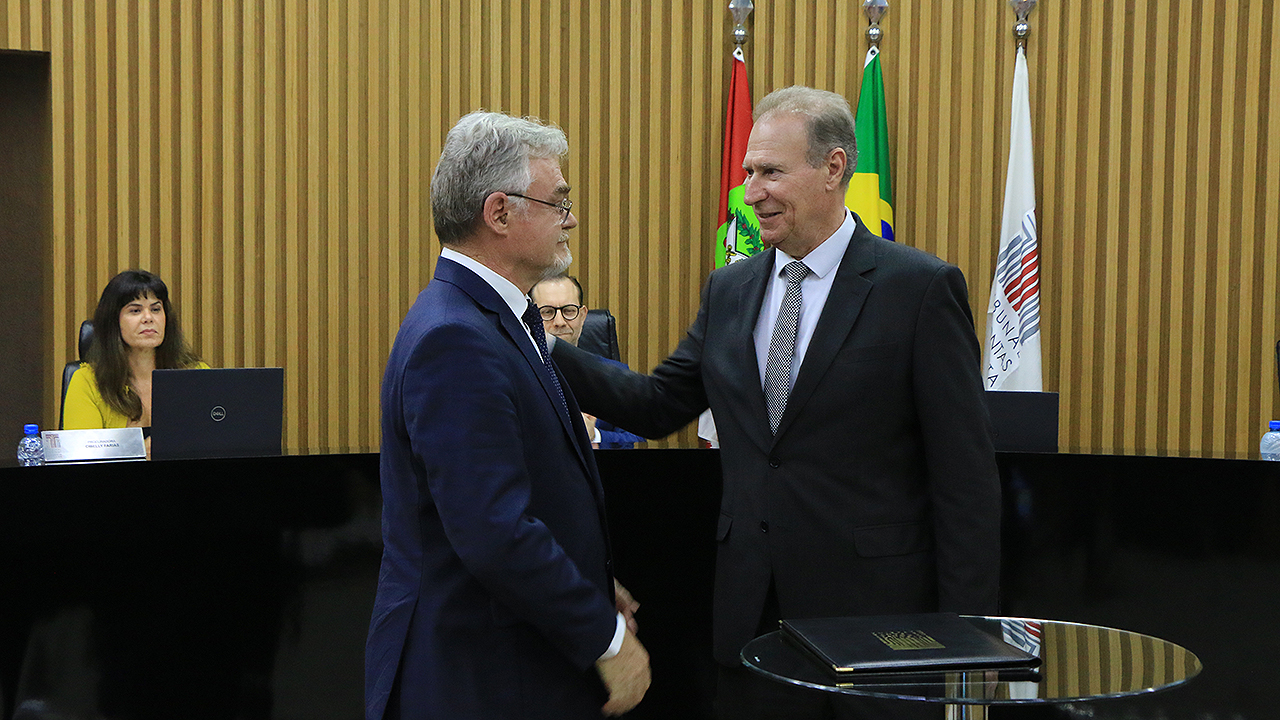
(135, 331)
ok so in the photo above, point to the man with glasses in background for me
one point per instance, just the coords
(496, 597)
(564, 313)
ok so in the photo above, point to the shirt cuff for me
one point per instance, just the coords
(616, 646)
(596, 438)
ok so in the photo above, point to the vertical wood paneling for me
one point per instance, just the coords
(62, 303)
(272, 205)
(13, 17)
(1246, 85)
(1154, 412)
(76, 190)
(1100, 662)
(332, 137)
(298, 394)
(1200, 76)
(1266, 212)
(1133, 104)
(142, 45)
(1107, 197)
(271, 159)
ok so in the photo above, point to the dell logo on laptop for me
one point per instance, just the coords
(218, 413)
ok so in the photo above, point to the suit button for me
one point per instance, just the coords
(775, 463)
(764, 526)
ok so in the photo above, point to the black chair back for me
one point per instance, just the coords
(86, 338)
(600, 334)
(82, 350)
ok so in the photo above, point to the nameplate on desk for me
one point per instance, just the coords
(66, 446)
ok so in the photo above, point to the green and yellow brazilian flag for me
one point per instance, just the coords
(870, 194)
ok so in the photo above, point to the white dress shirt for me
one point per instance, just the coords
(507, 290)
(823, 261)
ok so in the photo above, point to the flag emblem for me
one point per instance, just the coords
(870, 193)
(738, 236)
(1013, 312)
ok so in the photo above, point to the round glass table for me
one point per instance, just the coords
(1078, 663)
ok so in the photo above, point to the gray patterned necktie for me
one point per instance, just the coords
(782, 346)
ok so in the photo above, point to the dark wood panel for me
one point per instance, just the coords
(26, 255)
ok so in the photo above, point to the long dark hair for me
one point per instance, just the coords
(108, 354)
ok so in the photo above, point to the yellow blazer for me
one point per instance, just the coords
(84, 408)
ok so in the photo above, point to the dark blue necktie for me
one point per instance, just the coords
(533, 321)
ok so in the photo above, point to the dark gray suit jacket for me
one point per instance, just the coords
(879, 493)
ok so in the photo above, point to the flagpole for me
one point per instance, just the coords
(740, 9)
(734, 242)
(875, 9)
(1021, 29)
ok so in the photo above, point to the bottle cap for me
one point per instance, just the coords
(1275, 424)
(30, 429)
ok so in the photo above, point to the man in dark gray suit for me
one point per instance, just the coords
(843, 371)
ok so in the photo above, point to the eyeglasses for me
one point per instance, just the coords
(564, 206)
(548, 312)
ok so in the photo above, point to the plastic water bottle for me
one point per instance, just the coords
(30, 448)
(1271, 442)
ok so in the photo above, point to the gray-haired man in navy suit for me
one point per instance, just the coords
(496, 597)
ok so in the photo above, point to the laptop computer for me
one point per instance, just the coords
(225, 412)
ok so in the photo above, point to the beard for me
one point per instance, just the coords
(561, 263)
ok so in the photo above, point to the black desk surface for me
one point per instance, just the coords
(242, 588)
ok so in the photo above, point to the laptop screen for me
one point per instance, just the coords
(226, 412)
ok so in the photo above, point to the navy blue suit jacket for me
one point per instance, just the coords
(495, 596)
(613, 437)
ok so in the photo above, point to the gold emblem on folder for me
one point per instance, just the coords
(908, 640)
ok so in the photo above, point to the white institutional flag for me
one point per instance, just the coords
(1013, 314)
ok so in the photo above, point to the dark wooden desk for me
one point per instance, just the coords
(213, 589)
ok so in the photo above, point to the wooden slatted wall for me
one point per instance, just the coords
(271, 161)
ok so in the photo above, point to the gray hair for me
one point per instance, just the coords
(485, 153)
(827, 118)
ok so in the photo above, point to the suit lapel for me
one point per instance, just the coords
(749, 295)
(582, 443)
(516, 330)
(849, 292)
(488, 298)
